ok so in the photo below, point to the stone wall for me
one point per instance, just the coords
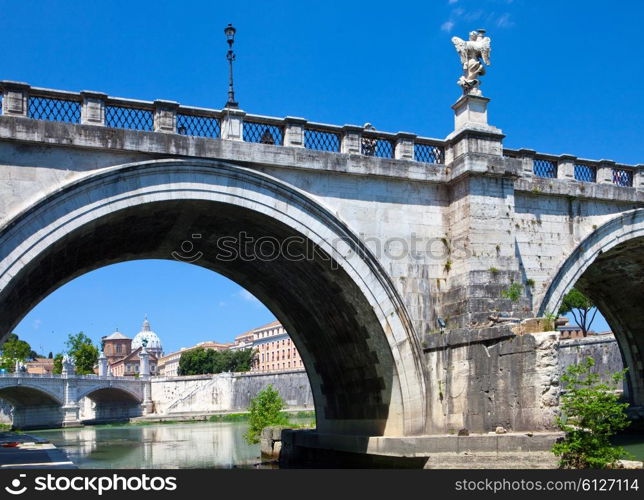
(518, 377)
(490, 380)
(293, 387)
(226, 392)
(602, 348)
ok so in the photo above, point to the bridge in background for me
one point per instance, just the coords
(54, 400)
(38, 401)
(405, 234)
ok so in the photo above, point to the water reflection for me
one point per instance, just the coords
(198, 445)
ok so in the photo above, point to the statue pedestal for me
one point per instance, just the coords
(470, 111)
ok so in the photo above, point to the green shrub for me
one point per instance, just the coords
(513, 292)
(590, 414)
(265, 409)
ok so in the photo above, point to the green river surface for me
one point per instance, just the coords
(184, 445)
(156, 446)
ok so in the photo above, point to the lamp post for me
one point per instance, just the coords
(230, 56)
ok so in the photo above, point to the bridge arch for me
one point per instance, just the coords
(110, 393)
(21, 394)
(346, 318)
(33, 406)
(608, 266)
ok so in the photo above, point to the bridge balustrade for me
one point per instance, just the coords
(572, 168)
(20, 99)
(166, 116)
(58, 376)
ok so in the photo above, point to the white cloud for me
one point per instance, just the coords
(222, 303)
(504, 21)
(452, 1)
(37, 323)
(447, 26)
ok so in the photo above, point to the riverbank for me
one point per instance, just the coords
(25, 451)
(299, 413)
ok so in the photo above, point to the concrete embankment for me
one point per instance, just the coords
(225, 392)
(23, 451)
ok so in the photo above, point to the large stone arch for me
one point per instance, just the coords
(608, 266)
(345, 316)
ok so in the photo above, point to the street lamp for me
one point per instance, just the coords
(229, 31)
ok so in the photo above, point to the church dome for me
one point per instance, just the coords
(153, 341)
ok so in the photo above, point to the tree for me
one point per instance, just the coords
(242, 361)
(201, 361)
(580, 306)
(14, 350)
(83, 351)
(590, 415)
(51, 355)
(265, 409)
(58, 364)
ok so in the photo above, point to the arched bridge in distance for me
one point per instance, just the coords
(370, 241)
(54, 400)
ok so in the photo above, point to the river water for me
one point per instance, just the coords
(183, 446)
(156, 446)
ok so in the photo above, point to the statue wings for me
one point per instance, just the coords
(485, 48)
(461, 47)
(482, 46)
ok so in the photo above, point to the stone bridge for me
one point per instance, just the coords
(55, 400)
(397, 263)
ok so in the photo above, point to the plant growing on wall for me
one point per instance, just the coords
(513, 292)
(590, 415)
(580, 307)
(265, 410)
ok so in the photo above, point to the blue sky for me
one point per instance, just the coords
(564, 79)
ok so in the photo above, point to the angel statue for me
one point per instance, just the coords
(473, 54)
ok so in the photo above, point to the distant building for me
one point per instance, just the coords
(569, 331)
(243, 341)
(129, 365)
(40, 366)
(116, 346)
(275, 349)
(122, 352)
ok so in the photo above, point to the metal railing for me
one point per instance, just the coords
(54, 109)
(372, 144)
(426, 152)
(196, 125)
(321, 138)
(545, 168)
(585, 173)
(263, 130)
(129, 116)
(623, 177)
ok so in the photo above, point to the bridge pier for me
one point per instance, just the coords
(71, 415)
(306, 448)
